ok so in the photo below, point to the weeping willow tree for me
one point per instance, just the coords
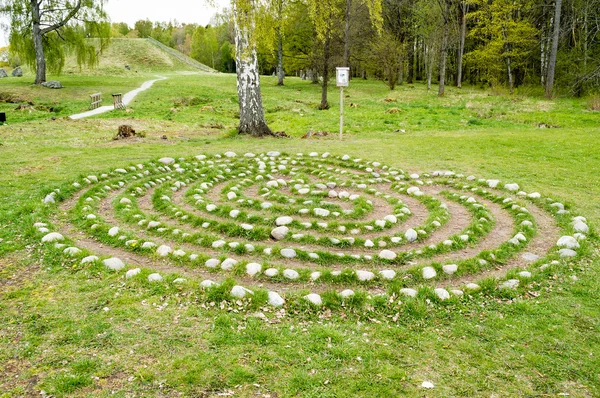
(44, 32)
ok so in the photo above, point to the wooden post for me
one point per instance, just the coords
(342, 79)
(118, 101)
(341, 111)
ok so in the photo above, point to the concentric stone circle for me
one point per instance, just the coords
(295, 226)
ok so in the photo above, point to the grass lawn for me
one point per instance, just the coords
(71, 331)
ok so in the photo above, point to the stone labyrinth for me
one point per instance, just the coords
(311, 226)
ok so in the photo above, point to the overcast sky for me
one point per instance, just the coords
(129, 11)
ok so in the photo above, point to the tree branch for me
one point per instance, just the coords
(62, 23)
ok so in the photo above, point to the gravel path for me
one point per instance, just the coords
(127, 98)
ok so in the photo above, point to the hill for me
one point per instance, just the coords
(140, 55)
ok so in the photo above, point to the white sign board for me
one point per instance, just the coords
(342, 76)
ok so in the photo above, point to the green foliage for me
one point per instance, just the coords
(66, 31)
(143, 28)
(505, 34)
(386, 56)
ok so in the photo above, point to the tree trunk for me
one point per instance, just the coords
(444, 49)
(429, 66)
(585, 37)
(324, 104)
(252, 117)
(280, 72)
(411, 61)
(510, 76)
(346, 59)
(554, 50)
(40, 59)
(464, 9)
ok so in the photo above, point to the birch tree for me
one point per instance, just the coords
(252, 116)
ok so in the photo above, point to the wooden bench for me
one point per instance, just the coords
(95, 100)
(118, 101)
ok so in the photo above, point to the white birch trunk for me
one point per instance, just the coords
(252, 117)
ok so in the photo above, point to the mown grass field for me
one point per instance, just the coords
(56, 335)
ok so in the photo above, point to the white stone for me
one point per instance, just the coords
(525, 274)
(207, 283)
(520, 237)
(114, 263)
(315, 275)
(450, 268)
(218, 244)
(387, 255)
(568, 242)
(271, 272)
(132, 272)
(275, 299)
(493, 183)
(429, 272)
(89, 259)
(288, 253)
(364, 275)
(125, 201)
(391, 218)
(155, 277)
(314, 298)
(369, 243)
(527, 223)
(284, 220)
(291, 274)
(211, 207)
(53, 237)
(408, 292)
(163, 250)
(228, 264)
(512, 187)
(71, 251)
(166, 160)
(472, 286)
(247, 227)
(253, 268)
(321, 212)
(441, 293)
(566, 253)
(580, 226)
(387, 273)
(114, 231)
(153, 224)
(280, 233)
(510, 284)
(457, 292)
(347, 293)
(49, 198)
(240, 291)
(231, 195)
(411, 235)
(179, 253)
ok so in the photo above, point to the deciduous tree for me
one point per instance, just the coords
(42, 31)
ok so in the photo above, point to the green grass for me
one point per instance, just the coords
(57, 337)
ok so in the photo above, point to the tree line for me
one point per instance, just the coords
(552, 43)
(507, 43)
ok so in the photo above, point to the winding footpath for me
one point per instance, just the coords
(127, 98)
